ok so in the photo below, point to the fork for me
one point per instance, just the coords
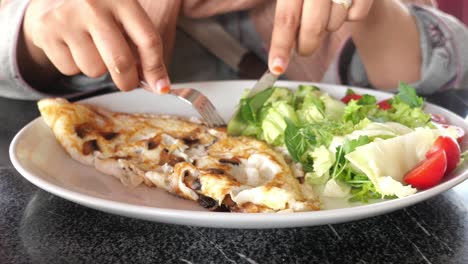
(200, 102)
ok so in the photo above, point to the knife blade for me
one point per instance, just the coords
(237, 124)
(266, 81)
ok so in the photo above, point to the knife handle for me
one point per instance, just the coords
(221, 44)
(251, 66)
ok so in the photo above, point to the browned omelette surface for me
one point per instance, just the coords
(187, 159)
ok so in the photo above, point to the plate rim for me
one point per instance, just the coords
(226, 219)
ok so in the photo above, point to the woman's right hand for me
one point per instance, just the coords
(304, 23)
(98, 36)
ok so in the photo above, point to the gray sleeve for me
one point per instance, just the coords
(444, 62)
(11, 84)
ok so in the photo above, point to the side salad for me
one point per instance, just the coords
(356, 147)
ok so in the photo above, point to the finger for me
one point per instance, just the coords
(148, 43)
(86, 56)
(338, 16)
(59, 54)
(115, 52)
(164, 19)
(287, 18)
(314, 22)
(54, 47)
(359, 10)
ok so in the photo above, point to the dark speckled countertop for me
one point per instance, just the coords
(38, 227)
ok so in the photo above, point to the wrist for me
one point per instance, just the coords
(388, 44)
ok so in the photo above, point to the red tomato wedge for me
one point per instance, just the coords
(350, 97)
(451, 149)
(384, 105)
(429, 172)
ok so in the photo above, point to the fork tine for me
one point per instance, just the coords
(218, 120)
(215, 119)
(212, 110)
(207, 108)
(202, 104)
(206, 115)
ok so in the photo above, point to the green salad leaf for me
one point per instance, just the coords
(247, 114)
(273, 121)
(350, 91)
(295, 141)
(362, 188)
(367, 100)
(323, 134)
(407, 95)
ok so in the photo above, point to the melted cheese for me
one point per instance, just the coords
(274, 198)
(257, 170)
(184, 158)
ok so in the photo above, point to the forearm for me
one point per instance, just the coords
(388, 43)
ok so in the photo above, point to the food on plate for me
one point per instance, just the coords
(185, 158)
(284, 150)
(429, 172)
(442, 158)
(354, 148)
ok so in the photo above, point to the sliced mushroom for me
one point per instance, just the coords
(109, 135)
(212, 171)
(207, 202)
(190, 140)
(151, 145)
(89, 147)
(192, 181)
(82, 130)
(233, 161)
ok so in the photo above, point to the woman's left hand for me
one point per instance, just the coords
(303, 23)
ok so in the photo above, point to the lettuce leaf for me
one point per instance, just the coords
(404, 152)
(408, 96)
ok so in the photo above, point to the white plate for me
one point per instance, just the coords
(36, 154)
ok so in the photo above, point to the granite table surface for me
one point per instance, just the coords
(38, 227)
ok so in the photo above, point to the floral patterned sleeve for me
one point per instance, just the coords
(444, 55)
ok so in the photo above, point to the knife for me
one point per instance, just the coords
(212, 36)
(231, 52)
(266, 81)
(237, 125)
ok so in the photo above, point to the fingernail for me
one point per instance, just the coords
(278, 66)
(162, 86)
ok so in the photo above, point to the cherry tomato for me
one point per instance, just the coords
(440, 119)
(384, 105)
(451, 149)
(350, 97)
(460, 132)
(429, 172)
